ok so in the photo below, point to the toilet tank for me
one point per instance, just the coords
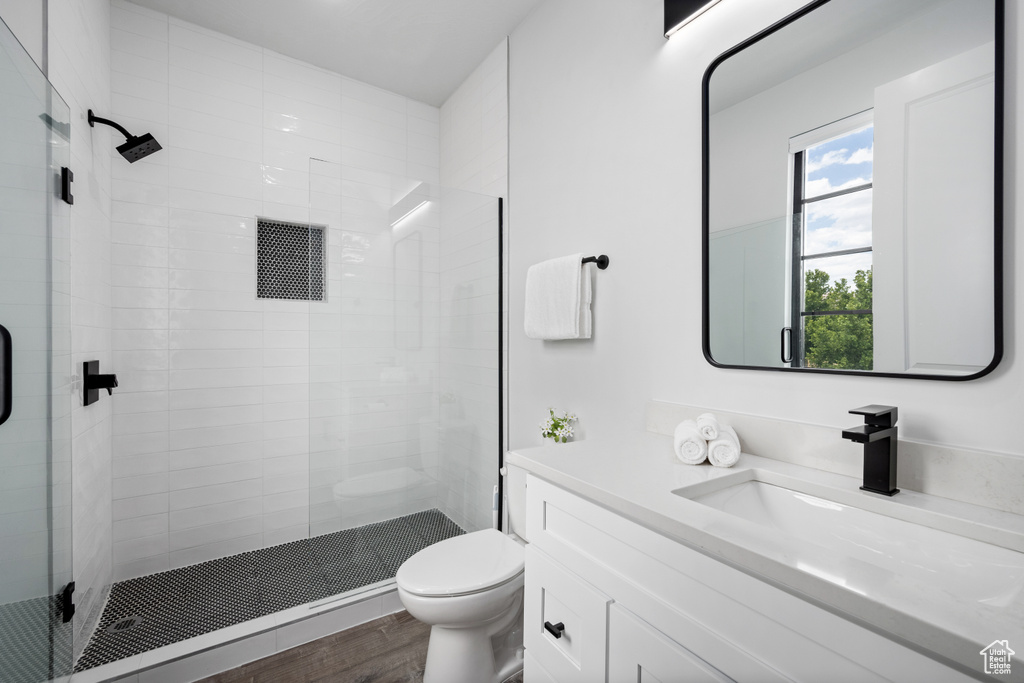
(515, 500)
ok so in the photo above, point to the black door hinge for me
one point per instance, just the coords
(66, 178)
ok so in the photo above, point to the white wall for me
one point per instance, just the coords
(212, 417)
(474, 129)
(605, 158)
(473, 157)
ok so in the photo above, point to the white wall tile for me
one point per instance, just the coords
(217, 442)
(216, 494)
(212, 44)
(138, 506)
(214, 514)
(124, 19)
(293, 70)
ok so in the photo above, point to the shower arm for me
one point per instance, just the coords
(93, 120)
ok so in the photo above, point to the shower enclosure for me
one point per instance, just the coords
(392, 286)
(35, 336)
(306, 398)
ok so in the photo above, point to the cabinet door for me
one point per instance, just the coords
(575, 652)
(534, 672)
(639, 652)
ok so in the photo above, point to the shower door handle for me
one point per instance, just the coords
(6, 371)
(787, 336)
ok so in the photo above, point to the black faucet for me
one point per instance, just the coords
(878, 434)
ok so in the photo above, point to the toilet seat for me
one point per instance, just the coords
(462, 565)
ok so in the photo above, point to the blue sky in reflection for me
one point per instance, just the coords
(842, 222)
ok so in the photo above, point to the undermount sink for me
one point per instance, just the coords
(938, 550)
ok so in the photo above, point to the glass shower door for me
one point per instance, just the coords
(35, 422)
(373, 349)
(404, 369)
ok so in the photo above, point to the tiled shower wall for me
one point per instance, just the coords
(210, 427)
(474, 157)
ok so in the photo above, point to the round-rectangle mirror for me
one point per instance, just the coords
(853, 192)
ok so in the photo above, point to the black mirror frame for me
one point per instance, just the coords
(997, 269)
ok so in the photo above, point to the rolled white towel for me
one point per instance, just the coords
(690, 446)
(725, 450)
(708, 426)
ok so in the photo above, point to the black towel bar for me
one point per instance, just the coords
(601, 261)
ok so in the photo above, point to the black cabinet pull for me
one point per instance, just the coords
(6, 370)
(555, 630)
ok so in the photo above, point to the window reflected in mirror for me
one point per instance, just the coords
(832, 201)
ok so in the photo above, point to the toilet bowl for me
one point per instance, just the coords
(469, 589)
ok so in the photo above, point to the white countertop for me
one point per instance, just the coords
(636, 473)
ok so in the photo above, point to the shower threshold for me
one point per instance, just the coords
(156, 610)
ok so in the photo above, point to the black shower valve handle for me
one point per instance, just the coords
(93, 381)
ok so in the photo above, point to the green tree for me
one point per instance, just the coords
(838, 341)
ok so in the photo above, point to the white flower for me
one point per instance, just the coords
(557, 427)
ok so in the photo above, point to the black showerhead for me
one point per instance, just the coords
(137, 147)
(134, 148)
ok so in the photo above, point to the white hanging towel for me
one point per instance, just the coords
(558, 296)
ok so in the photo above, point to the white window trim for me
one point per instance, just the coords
(830, 131)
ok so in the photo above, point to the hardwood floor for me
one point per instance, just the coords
(392, 649)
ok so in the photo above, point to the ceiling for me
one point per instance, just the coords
(423, 49)
(814, 39)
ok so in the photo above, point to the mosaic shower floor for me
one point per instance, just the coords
(35, 644)
(187, 602)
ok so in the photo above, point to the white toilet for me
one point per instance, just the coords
(470, 590)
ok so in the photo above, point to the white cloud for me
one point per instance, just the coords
(841, 156)
(862, 155)
(845, 223)
(836, 156)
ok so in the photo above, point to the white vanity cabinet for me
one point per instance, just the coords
(638, 606)
(642, 653)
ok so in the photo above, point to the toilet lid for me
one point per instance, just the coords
(461, 565)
